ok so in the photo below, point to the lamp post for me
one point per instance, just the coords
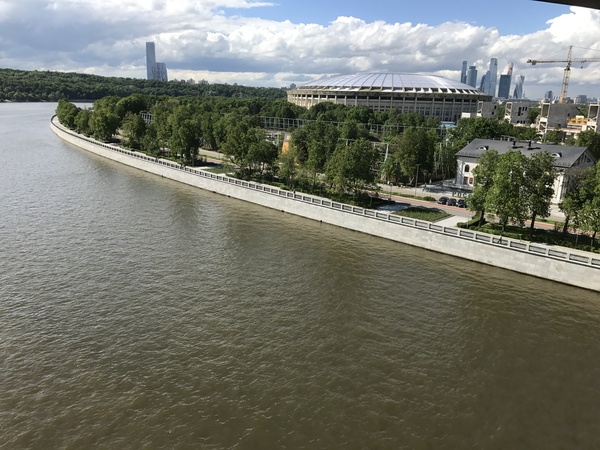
(416, 179)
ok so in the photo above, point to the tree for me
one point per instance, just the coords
(149, 142)
(580, 188)
(555, 136)
(261, 152)
(66, 113)
(133, 129)
(104, 124)
(591, 140)
(590, 217)
(483, 181)
(507, 194)
(416, 146)
(82, 121)
(590, 212)
(351, 166)
(532, 114)
(288, 167)
(539, 179)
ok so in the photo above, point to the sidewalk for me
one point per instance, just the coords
(436, 191)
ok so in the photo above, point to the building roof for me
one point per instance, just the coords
(392, 82)
(565, 156)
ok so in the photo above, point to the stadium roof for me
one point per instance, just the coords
(390, 82)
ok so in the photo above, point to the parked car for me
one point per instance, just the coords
(442, 200)
(451, 202)
(461, 203)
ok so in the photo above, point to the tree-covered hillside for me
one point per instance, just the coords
(36, 86)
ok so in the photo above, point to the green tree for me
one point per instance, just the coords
(591, 140)
(539, 179)
(532, 114)
(288, 167)
(416, 146)
(555, 136)
(590, 212)
(66, 112)
(482, 182)
(82, 122)
(104, 124)
(507, 194)
(261, 152)
(580, 188)
(149, 141)
(133, 129)
(351, 166)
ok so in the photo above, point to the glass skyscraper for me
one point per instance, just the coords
(154, 70)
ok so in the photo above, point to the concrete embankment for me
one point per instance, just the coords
(554, 263)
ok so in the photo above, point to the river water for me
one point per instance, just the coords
(136, 312)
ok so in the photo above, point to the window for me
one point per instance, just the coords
(467, 168)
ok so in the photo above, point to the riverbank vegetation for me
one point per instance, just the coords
(340, 152)
(47, 86)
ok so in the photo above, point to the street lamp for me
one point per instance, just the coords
(416, 179)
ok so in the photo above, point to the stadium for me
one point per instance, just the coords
(428, 95)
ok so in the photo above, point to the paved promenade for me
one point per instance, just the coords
(406, 194)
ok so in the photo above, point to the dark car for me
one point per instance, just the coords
(442, 200)
(451, 202)
(461, 203)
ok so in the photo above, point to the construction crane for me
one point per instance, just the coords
(567, 74)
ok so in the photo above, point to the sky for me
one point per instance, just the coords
(280, 42)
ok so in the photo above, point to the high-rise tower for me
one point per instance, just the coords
(518, 93)
(472, 76)
(504, 83)
(150, 61)
(463, 73)
(493, 78)
(154, 70)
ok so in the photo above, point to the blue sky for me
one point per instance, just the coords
(277, 43)
(508, 16)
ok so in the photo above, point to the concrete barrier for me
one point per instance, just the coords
(559, 264)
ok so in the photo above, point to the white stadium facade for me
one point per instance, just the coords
(428, 95)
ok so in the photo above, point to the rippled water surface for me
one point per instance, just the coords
(136, 312)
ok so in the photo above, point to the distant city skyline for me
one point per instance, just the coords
(258, 43)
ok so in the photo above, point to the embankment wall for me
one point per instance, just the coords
(559, 264)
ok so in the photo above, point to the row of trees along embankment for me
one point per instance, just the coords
(334, 149)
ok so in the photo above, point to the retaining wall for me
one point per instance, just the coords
(554, 263)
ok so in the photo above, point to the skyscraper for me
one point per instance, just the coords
(150, 60)
(488, 81)
(484, 85)
(463, 73)
(472, 76)
(493, 78)
(161, 72)
(154, 70)
(518, 93)
(504, 83)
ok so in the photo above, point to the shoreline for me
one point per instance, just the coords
(563, 265)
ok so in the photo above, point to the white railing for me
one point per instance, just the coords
(459, 233)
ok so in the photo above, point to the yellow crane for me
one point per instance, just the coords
(567, 74)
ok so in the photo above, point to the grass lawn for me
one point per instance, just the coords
(551, 237)
(423, 213)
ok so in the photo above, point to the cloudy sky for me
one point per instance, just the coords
(276, 43)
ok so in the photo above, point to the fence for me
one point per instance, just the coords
(536, 249)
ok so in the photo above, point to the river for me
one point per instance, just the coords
(136, 312)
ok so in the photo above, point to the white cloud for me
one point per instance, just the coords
(200, 39)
